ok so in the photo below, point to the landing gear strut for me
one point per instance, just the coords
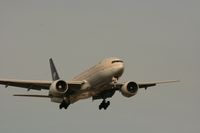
(104, 105)
(64, 104)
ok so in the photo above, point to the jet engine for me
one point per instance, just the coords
(58, 88)
(129, 89)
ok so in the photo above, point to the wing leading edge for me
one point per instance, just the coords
(29, 84)
(150, 84)
(145, 85)
(36, 84)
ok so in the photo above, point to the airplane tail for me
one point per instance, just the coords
(54, 72)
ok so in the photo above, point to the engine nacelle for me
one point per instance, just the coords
(58, 88)
(129, 89)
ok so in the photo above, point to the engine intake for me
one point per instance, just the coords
(58, 88)
(129, 89)
(61, 86)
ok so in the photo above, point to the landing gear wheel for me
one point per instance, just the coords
(64, 105)
(108, 104)
(100, 107)
(104, 105)
(60, 106)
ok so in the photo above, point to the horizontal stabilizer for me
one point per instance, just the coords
(41, 96)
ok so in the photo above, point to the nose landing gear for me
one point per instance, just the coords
(104, 104)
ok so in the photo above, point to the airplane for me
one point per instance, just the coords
(98, 82)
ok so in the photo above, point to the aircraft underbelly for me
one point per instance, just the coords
(98, 83)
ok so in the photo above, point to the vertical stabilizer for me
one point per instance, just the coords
(54, 72)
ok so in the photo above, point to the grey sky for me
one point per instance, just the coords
(157, 39)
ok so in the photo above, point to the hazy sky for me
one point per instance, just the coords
(157, 39)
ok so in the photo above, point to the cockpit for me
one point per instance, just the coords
(112, 60)
(116, 61)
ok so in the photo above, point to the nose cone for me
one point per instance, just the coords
(119, 70)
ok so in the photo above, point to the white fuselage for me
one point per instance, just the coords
(98, 78)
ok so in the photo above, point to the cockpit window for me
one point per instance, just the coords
(115, 61)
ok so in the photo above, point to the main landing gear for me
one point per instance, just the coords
(64, 104)
(104, 105)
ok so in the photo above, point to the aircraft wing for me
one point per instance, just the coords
(36, 84)
(145, 85)
(117, 86)
(150, 84)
